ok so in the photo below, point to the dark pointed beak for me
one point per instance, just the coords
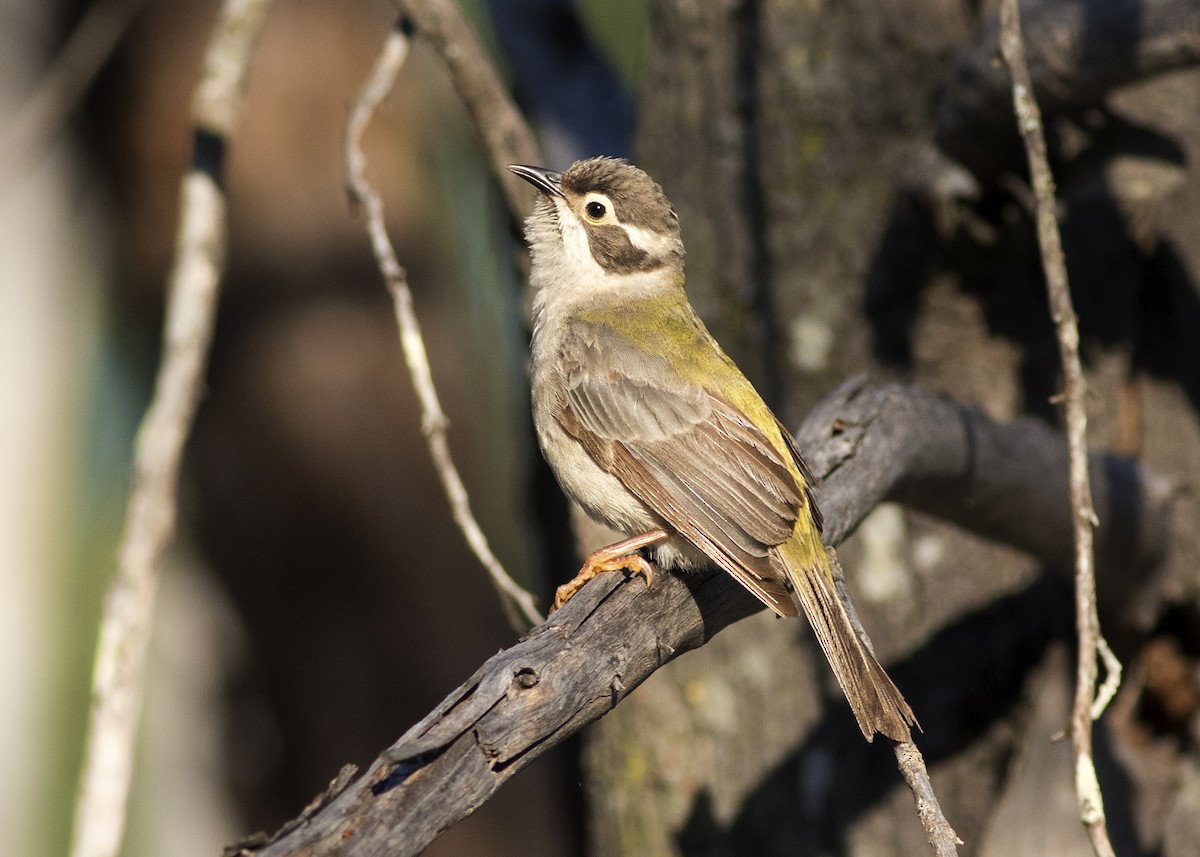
(547, 181)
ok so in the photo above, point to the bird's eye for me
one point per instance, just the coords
(597, 208)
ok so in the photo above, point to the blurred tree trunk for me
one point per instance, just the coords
(826, 236)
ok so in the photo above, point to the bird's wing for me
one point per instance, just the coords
(685, 452)
(802, 466)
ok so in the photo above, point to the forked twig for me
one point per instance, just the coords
(151, 514)
(1029, 124)
(433, 419)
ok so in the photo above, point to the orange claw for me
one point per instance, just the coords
(615, 557)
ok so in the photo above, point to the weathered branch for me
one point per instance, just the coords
(1078, 51)
(942, 838)
(868, 443)
(507, 139)
(151, 513)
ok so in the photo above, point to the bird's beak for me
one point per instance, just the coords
(547, 181)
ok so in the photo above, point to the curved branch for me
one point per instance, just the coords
(869, 443)
(518, 603)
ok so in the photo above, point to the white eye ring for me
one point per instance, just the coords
(597, 208)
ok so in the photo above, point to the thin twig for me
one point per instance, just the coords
(941, 834)
(1112, 678)
(1029, 123)
(942, 837)
(500, 125)
(507, 139)
(151, 514)
(433, 419)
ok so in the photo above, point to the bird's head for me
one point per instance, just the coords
(601, 225)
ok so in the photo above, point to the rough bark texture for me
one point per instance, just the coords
(827, 234)
(867, 442)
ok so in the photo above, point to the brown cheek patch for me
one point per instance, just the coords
(614, 252)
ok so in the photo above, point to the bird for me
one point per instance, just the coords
(653, 430)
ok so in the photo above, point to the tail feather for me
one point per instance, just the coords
(877, 703)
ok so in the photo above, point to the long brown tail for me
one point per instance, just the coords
(877, 703)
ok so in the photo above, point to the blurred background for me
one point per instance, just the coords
(318, 598)
(844, 211)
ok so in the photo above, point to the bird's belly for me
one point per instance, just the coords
(605, 499)
(600, 493)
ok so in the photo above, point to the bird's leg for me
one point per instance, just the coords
(616, 557)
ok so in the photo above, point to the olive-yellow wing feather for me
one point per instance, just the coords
(685, 450)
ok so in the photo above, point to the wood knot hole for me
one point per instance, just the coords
(526, 677)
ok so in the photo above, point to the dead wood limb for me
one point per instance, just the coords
(507, 139)
(942, 838)
(868, 443)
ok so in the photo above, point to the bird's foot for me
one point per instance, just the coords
(621, 556)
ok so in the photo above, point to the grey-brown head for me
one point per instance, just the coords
(602, 218)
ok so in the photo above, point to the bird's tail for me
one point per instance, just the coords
(877, 703)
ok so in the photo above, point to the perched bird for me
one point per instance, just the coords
(655, 432)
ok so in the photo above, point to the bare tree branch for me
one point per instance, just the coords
(433, 418)
(507, 139)
(942, 837)
(868, 443)
(151, 514)
(1029, 122)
